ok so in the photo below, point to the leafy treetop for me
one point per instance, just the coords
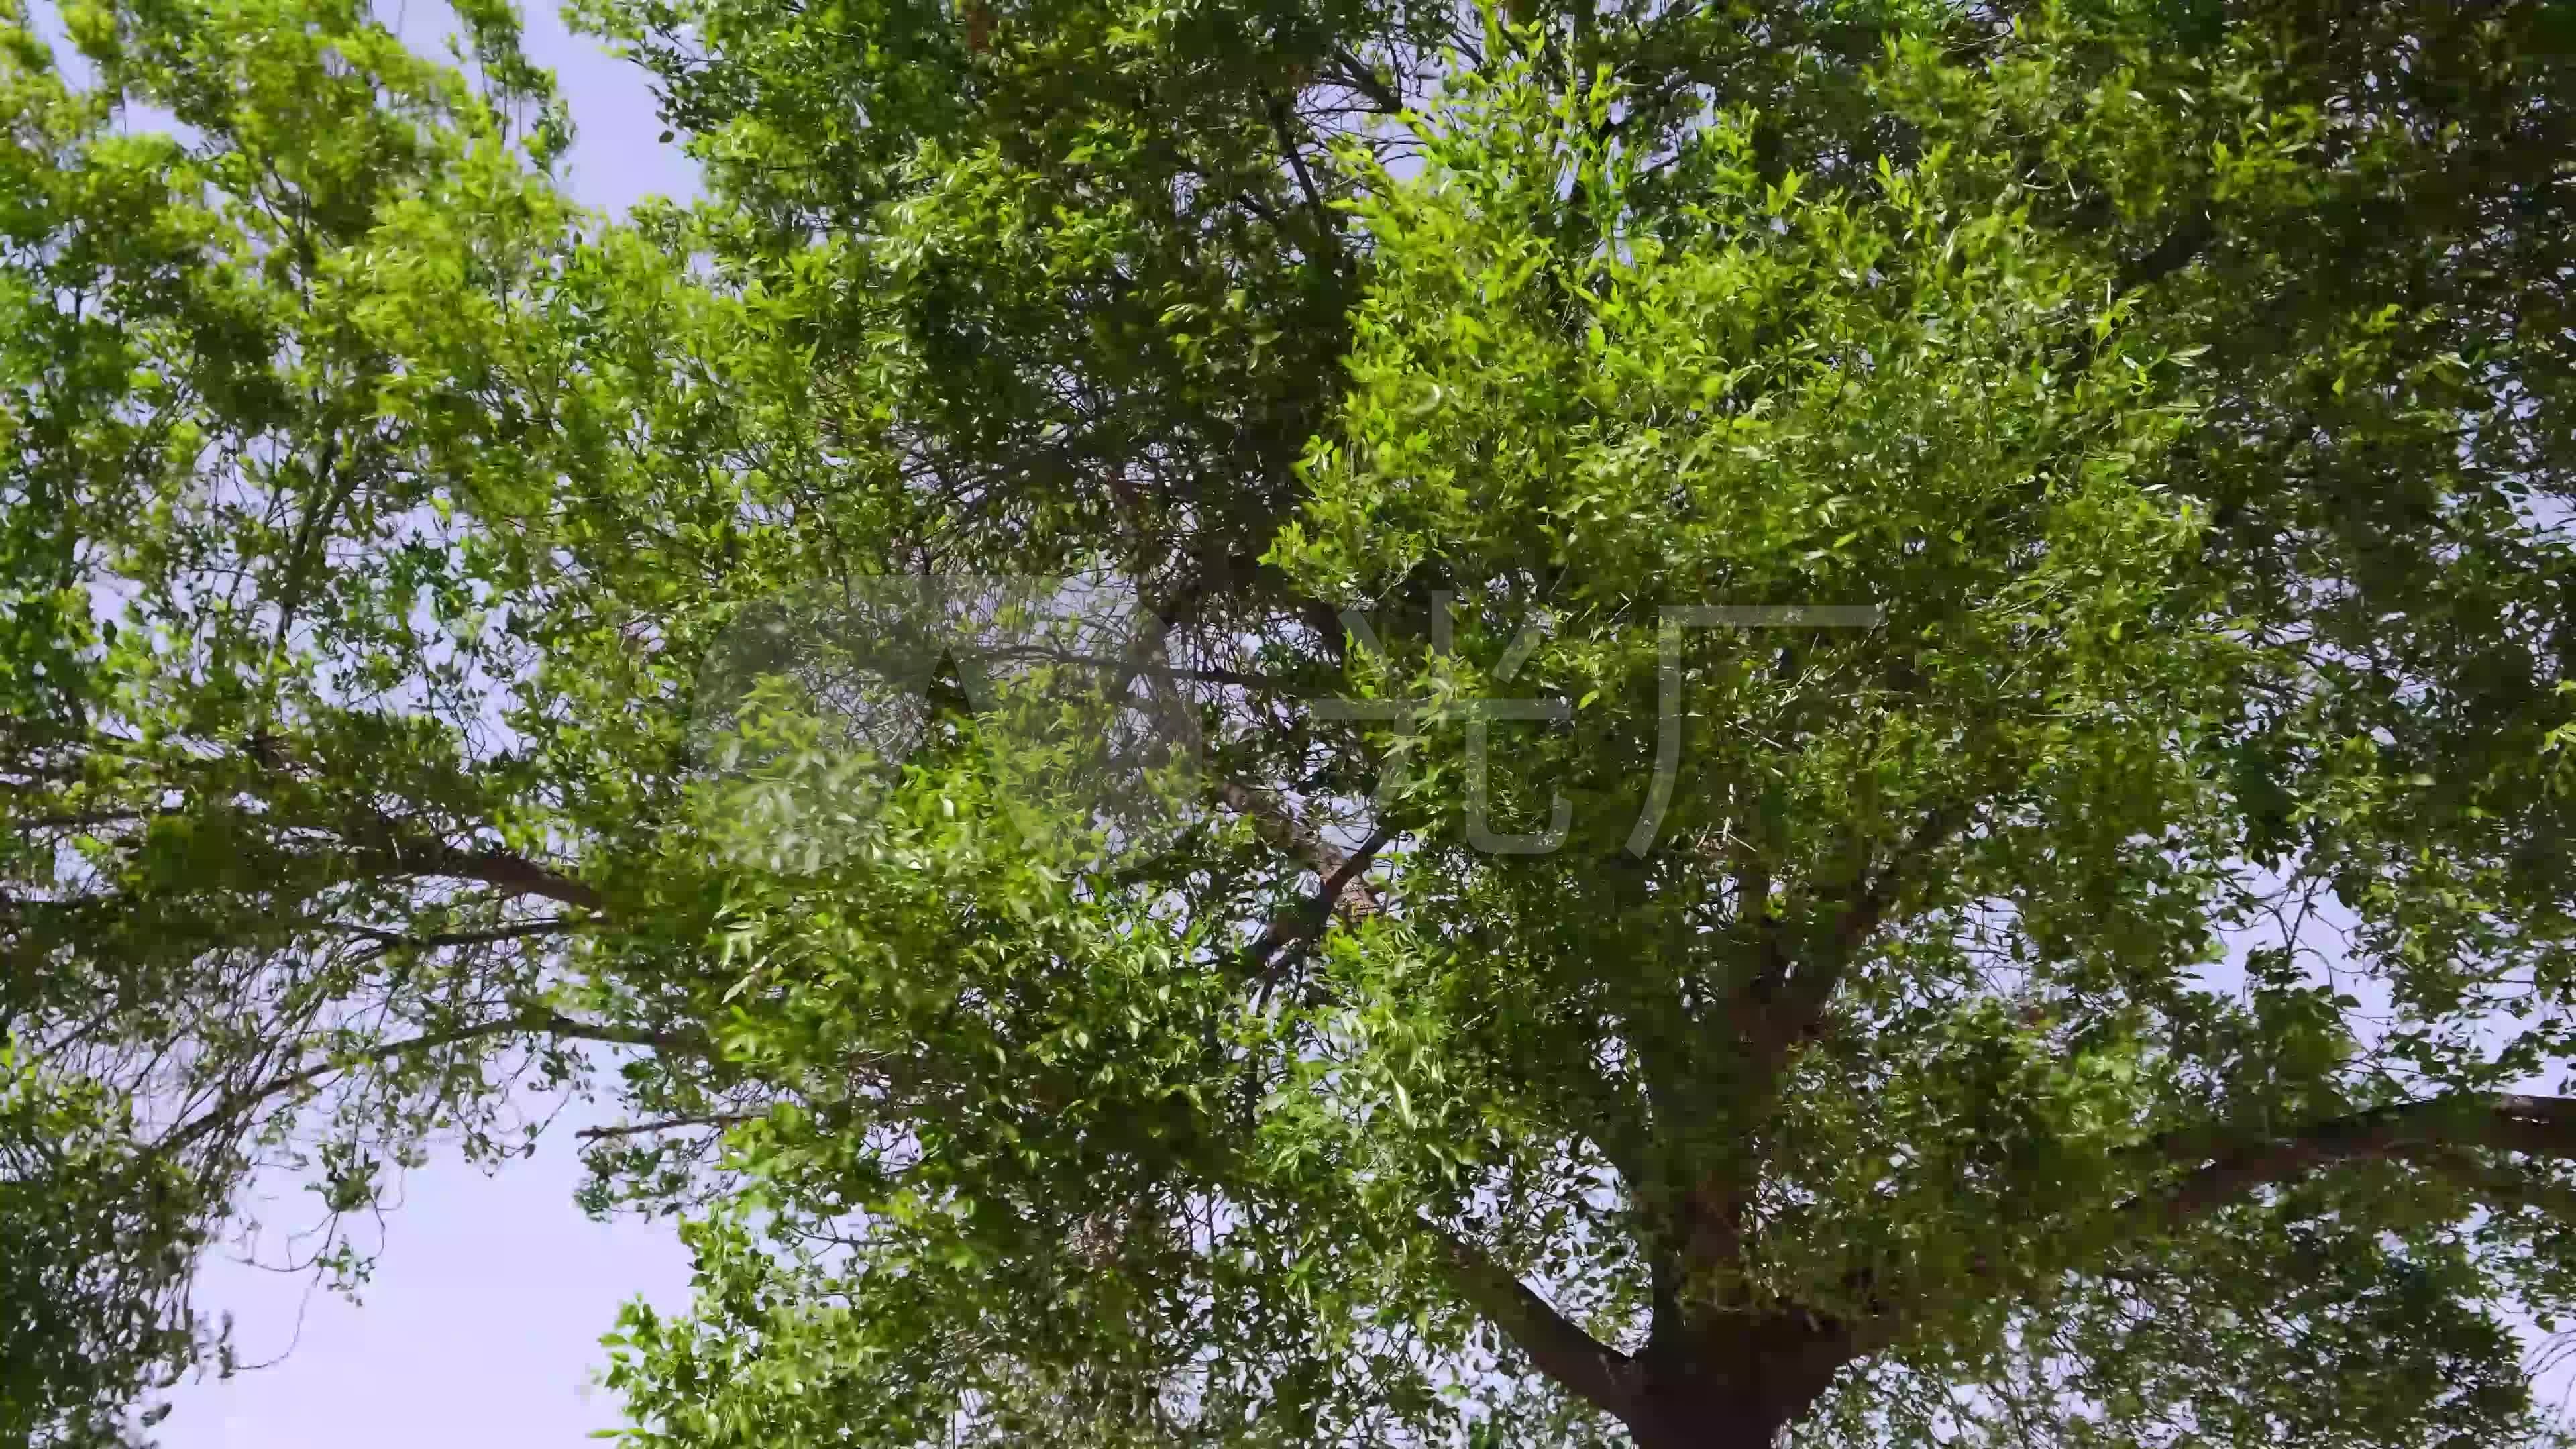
(1093, 693)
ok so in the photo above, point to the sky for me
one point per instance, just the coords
(482, 1324)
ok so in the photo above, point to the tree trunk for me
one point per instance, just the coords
(1687, 1420)
(1734, 1384)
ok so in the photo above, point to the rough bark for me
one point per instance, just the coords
(1734, 1381)
(1703, 1381)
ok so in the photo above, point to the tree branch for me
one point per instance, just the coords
(2431, 1128)
(2444, 1133)
(227, 1111)
(391, 939)
(1579, 1363)
(503, 870)
(2177, 251)
(1300, 925)
(668, 1124)
(1286, 832)
(1359, 75)
(1325, 231)
(1239, 678)
(1787, 1006)
(1778, 1008)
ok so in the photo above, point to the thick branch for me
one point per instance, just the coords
(1326, 233)
(1579, 1363)
(2177, 251)
(1780, 1006)
(1786, 1006)
(1355, 72)
(2540, 1126)
(1814, 981)
(500, 869)
(1286, 832)
(2444, 1133)
(1301, 925)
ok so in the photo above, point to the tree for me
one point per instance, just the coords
(1828, 717)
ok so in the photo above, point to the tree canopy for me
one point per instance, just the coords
(1279, 722)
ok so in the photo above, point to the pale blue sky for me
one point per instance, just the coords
(482, 1325)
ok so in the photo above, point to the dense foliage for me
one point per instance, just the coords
(1280, 723)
